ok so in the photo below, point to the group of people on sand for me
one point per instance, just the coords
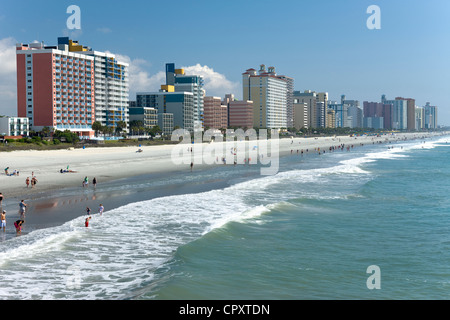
(18, 224)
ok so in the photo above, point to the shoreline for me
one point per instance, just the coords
(60, 197)
(112, 163)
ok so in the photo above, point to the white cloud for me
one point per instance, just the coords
(216, 84)
(8, 89)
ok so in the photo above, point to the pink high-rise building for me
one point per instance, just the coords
(215, 114)
(240, 113)
(55, 88)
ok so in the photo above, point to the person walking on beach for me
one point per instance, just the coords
(101, 209)
(22, 208)
(85, 182)
(3, 220)
(27, 181)
(94, 182)
(1, 199)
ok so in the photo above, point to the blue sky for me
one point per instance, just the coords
(323, 45)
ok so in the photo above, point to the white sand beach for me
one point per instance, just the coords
(109, 163)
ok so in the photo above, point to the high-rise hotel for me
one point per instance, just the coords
(69, 87)
(270, 95)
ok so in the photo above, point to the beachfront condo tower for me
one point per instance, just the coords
(430, 113)
(182, 82)
(215, 113)
(55, 88)
(111, 85)
(269, 94)
(69, 87)
(240, 112)
(174, 109)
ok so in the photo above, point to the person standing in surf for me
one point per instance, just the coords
(22, 209)
(3, 220)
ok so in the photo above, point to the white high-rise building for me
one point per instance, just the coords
(111, 89)
(430, 113)
(111, 85)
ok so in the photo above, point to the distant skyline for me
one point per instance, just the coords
(323, 45)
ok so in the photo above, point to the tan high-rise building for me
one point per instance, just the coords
(269, 95)
(331, 118)
(300, 118)
(308, 97)
(420, 118)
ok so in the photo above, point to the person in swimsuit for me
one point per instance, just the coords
(18, 224)
(86, 222)
(3, 220)
(101, 209)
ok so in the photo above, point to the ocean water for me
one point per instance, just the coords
(309, 232)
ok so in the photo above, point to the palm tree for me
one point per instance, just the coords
(120, 126)
(97, 126)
